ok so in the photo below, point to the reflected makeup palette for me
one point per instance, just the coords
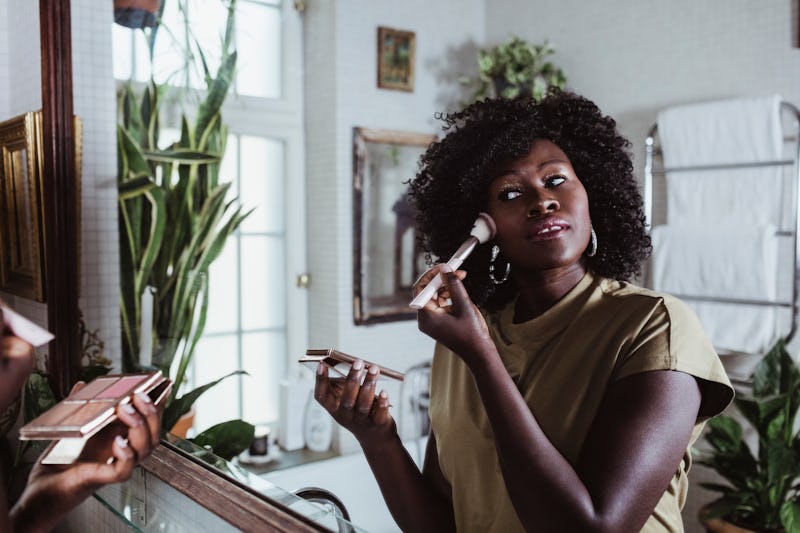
(90, 409)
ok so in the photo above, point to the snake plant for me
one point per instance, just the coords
(175, 216)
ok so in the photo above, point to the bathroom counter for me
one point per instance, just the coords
(284, 459)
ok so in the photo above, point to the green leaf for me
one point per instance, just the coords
(790, 516)
(180, 406)
(227, 439)
(39, 396)
(181, 156)
(724, 433)
(136, 163)
(135, 187)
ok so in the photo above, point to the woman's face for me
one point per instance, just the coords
(541, 210)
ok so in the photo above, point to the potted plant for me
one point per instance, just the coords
(762, 492)
(514, 68)
(175, 217)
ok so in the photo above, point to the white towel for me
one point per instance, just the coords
(743, 130)
(709, 260)
(746, 329)
(722, 261)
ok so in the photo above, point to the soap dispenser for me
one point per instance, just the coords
(317, 426)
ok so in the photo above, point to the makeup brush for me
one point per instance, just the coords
(483, 230)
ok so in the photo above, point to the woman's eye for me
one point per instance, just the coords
(554, 181)
(508, 194)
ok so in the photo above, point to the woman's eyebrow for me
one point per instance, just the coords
(551, 162)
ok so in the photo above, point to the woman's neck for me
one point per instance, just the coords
(539, 291)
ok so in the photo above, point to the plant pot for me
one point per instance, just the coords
(184, 424)
(719, 525)
(136, 14)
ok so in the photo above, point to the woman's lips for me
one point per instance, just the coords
(547, 229)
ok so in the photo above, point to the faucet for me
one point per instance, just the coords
(328, 501)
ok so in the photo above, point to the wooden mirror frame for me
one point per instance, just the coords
(223, 496)
(60, 195)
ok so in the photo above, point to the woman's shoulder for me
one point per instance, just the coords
(627, 293)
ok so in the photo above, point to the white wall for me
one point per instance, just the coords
(4, 44)
(635, 57)
(341, 93)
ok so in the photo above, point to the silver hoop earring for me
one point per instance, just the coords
(592, 244)
(495, 253)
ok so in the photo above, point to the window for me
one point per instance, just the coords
(251, 284)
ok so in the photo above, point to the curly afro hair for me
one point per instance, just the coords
(450, 189)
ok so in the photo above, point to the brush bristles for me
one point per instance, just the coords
(484, 228)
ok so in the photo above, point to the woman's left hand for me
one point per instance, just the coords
(16, 364)
(452, 318)
(109, 457)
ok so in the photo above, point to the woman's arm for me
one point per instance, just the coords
(632, 451)
(53, 491)
(415, 503)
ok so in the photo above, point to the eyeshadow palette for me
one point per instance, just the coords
(341, 362)
(85, 412)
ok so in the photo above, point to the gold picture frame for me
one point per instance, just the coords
(396, 51)
(21, 223)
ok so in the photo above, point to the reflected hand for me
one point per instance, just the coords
(354, 405)
(452, 318)
(109, 457)
(17, 361)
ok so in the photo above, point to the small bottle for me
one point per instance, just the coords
(317, 426)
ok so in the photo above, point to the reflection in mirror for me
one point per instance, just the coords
(387, 258)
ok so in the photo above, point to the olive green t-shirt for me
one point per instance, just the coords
(562, 362)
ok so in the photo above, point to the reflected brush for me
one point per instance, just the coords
(482, 231)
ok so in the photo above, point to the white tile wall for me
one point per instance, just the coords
(4, 43)
(95, 102)
(23, 67)
(341, 93)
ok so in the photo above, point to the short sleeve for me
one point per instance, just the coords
(673, 339)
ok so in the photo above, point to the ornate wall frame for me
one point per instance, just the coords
(21, 222)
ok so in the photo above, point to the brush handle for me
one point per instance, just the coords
(436, 283)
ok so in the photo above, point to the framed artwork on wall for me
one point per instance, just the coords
(22, 256)
(396, 49)
(21, 237)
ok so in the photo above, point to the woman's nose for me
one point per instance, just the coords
(543, 206)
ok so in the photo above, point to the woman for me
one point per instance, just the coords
(52, 491)
(562, 397)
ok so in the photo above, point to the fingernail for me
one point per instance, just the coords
(358, 364)
(128, 408)
(320, 369)
(121, 441)
(144, 397)
(373, 369)
(384, 394)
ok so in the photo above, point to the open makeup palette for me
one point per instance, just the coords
(79, 416)
(341, 362)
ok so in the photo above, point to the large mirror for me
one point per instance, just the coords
(629, 57)
(387, 257)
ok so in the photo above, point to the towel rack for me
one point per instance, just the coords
(790, 159)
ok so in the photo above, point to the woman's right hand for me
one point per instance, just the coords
(451, 318)
(354, 405)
